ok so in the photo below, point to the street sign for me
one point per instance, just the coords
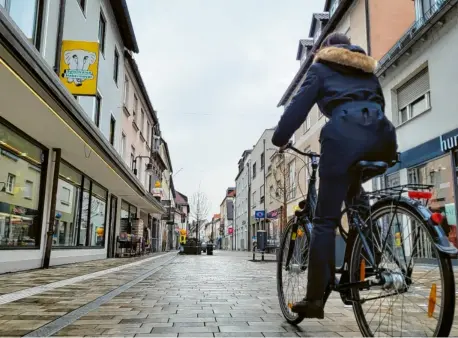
(259, 214)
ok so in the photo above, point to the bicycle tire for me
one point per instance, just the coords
(293, 319)
(446, 317)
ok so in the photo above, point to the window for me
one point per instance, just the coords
(10, 183)
(65, 196)
(123, 145)
(261, 193)
(272, 194)
(148, 132)
(27, 16)
(126, 90)
(413, 98)
(82, 4)
(81, 203)
(307, 123)
(393, 180)
(97, 109)
(116, 66)
(254, 170)
(112, 130)
(142, 121)
(132, 156)
(102, 32)
(308, 166)
(253, 201)
(135, 107)
(21, 204)
(28, 190)
(292, 179)
(262, 161)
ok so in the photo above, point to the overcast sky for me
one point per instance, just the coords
(215, 71)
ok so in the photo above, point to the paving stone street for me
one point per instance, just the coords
(224, 295)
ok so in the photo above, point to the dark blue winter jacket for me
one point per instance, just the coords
(339, 74)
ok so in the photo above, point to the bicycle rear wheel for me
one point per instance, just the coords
(291, 277)
(418, 298)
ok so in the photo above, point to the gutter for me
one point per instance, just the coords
(41, 72)
(333, 21)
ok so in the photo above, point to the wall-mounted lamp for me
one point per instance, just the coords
(149, 166)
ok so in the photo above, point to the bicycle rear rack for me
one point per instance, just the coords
(414, 191)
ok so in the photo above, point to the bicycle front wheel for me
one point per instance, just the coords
(291, 276)
(418, 295)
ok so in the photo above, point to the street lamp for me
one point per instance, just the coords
(149, 166)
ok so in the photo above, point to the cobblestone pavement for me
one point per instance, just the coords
(224, 295)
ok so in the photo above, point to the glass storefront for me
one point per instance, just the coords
(21, 182)
(128, 213)
(80, 210)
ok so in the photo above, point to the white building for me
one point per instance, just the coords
(241, 202)
(60, 154)
(418, 79)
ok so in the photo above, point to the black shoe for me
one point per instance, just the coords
(309, 309)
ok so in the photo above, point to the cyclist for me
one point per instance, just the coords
(342, 82)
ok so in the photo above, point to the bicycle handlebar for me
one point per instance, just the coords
(290, 146)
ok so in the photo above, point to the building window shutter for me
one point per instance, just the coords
(413, 89)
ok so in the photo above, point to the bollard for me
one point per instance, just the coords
(262, 256)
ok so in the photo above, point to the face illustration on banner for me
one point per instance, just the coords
(79, 67)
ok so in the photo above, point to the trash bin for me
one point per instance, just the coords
(261, 237)
(209, 248)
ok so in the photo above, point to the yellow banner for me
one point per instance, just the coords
(79, 67)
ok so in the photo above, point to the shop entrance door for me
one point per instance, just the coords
(112, 226)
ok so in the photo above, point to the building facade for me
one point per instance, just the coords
(260, 161)
(67, 191)
(417, 80)
(227, 219)
(242, 186)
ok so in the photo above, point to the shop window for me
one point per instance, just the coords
(27, 15)
(21, 181)
(102, 32)
(128, 214)
(80, 210)
(98, 217)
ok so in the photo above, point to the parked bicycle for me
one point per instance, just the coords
(397, 272)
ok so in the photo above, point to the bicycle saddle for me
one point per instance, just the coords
(370, 169)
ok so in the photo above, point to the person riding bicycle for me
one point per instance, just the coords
(342, 82)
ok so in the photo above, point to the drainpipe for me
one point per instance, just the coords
(60, 36)
(368, 29)
(52, 211)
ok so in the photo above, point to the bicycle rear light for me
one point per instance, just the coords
(437, 218)
(420, 195)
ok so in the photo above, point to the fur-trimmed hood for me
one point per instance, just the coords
(347, 55)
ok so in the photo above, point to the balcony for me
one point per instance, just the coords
(415, 32)
(125, 110)
(142, 137)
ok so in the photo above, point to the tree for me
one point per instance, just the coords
(200, 207)
(283, 183)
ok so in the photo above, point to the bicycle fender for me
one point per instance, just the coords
(440, 238)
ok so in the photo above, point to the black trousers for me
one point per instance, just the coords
(356, 131)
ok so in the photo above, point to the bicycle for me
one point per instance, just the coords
(365, 266)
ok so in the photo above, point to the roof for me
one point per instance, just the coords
(172, 187)
(303, 43)
(231, 193)
(180, 199)
(315, 17)
(167, 153)
(333, 21)
(126, 29)
(143, 89)
(216, 216)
